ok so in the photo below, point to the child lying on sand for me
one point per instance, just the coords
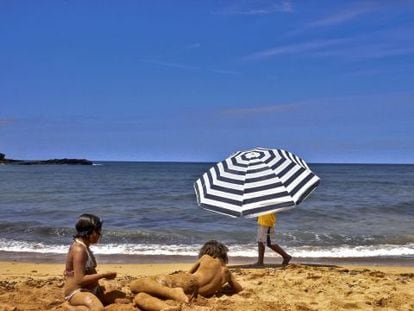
(206, 277)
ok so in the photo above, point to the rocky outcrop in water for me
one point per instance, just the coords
(3, 160)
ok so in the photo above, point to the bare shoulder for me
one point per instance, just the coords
(78, 251)
(205, 259)
(76, 248)
(208, 257)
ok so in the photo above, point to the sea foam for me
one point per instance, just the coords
(237, 250)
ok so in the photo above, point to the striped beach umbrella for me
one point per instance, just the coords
(255, 182)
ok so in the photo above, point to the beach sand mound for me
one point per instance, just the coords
(295, 287)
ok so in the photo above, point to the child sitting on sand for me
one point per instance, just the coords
(82, 290)
(206, 277)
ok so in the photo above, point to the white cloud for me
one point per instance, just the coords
(338, 18)
(188, 67)
(195, 45)
(344, 16)
(255, 8)
(225, 72)
(4, 122)
(169, 64)
(260, 110)
(378, 44)
(294, 48)
(369, 51)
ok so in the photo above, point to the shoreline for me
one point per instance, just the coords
(28, 257)
(55, 269)
(37, 269)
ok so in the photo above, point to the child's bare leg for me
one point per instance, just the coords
(150, 303)
(85, 301)
(152, 287)
(281, 252)
(68, 307)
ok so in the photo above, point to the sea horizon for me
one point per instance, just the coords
(198, 161)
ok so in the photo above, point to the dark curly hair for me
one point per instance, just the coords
(214, 249)
(87, 223)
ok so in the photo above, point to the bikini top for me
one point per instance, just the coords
(90, 264)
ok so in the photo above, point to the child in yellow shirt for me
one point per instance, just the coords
(265, 234)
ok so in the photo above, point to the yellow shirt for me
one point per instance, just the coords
(268, 220)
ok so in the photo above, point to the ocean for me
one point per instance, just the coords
(149, 209)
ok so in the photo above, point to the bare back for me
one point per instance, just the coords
(211, 274)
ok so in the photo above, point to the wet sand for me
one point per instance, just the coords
(38, 286)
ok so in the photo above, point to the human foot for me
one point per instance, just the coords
(258, 264)
(68, 307)
(286, 260)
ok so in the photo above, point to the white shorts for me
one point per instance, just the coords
(265, 234)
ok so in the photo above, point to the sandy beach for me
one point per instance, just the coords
(38, 286)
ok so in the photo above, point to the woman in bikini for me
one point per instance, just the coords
(82, 290)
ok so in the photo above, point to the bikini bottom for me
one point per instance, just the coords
(97, 291)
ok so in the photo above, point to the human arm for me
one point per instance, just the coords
(234, 284)
(195, 267)
(81, 278)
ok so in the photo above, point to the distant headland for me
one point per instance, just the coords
(3, 160)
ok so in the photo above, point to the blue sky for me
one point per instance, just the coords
(332, 81)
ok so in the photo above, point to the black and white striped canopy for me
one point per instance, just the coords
(255, 182)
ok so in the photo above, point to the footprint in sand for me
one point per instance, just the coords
(313, 277)
(246, 293)
(377, 274)
(256, 276)
(350, 305)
